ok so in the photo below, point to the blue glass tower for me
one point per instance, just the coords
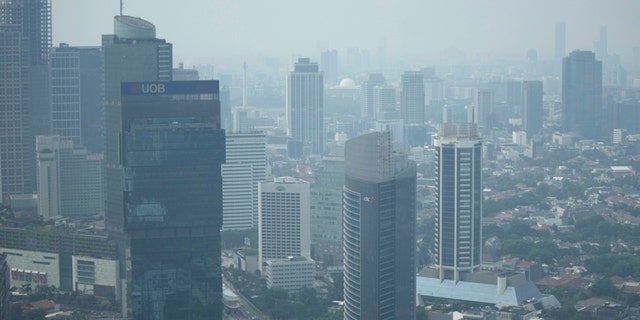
(172, 149)
(379, 206)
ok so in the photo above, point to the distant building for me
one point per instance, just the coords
(304, 105)
(483, 288)
(379, 212)
(582, 95)
(284, 219)
(626, 115)
(147, 59)
(458, 230)
(25, 41)
(69, 179)
(412, 97)
(182, 74)
(329, 66)
(367, 106)
(67, 258)
(532, 112)
(482, 112)
(172, 149)
(245, 167)
(326, 211)
(291, 274)
(384, 103)
(246, 260)
(76, 102)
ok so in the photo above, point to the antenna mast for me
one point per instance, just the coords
(120, 7)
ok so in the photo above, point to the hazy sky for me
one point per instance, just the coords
(206, 28)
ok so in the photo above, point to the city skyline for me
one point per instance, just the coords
(409, 29)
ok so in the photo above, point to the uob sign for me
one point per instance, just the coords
(152, 88)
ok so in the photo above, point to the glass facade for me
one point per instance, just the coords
(378, 235)
(458, 234)
(172, 149)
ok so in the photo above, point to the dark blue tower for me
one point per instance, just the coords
(172, 149)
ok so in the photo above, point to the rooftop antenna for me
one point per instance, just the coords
(244, 85)
(120, 7)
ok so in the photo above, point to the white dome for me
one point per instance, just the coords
(347, 83)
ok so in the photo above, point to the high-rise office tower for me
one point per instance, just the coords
(48, 180)
(25, 39)
(482, 114)
(560, 38)
(582, 94)
(182, 74)
(226, 118)
(458, 238)
(132, 53)
(69, 179)
(600, 46)
(513, 99)
(367, 97)
(329, 66)
(532, 112)
(245, 167)
(626, 115)
(284, 227)
(76, 102)
(433, 90)
(379, 237)
(305, 96)
(384, 103)
(172, 151)
(412, 97)
(326, 211)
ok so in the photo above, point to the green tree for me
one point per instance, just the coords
(604, 288)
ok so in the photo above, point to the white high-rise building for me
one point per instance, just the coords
(245, 167)
(284, 220)
(48, 175)
(305, 105)
(458, 230)
(69, 179)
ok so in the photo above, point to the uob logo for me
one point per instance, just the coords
(152, 88)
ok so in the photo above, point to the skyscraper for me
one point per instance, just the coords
(367, 96)
(305, 95)
(483, 111)
(600, 46)
(532, 112)
(378, 236)
(284, 220)
(560, 38)
(326, 211)
(172, 150)
(76, 102)
(245, 167)
(132, 53)
(458, 238)
(412, 97)
(329, 66)
(384, 103)
(25, 39)
(582, 95)
(69, 179)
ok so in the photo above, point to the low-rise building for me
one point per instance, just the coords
(69, 259)
(291, 274)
